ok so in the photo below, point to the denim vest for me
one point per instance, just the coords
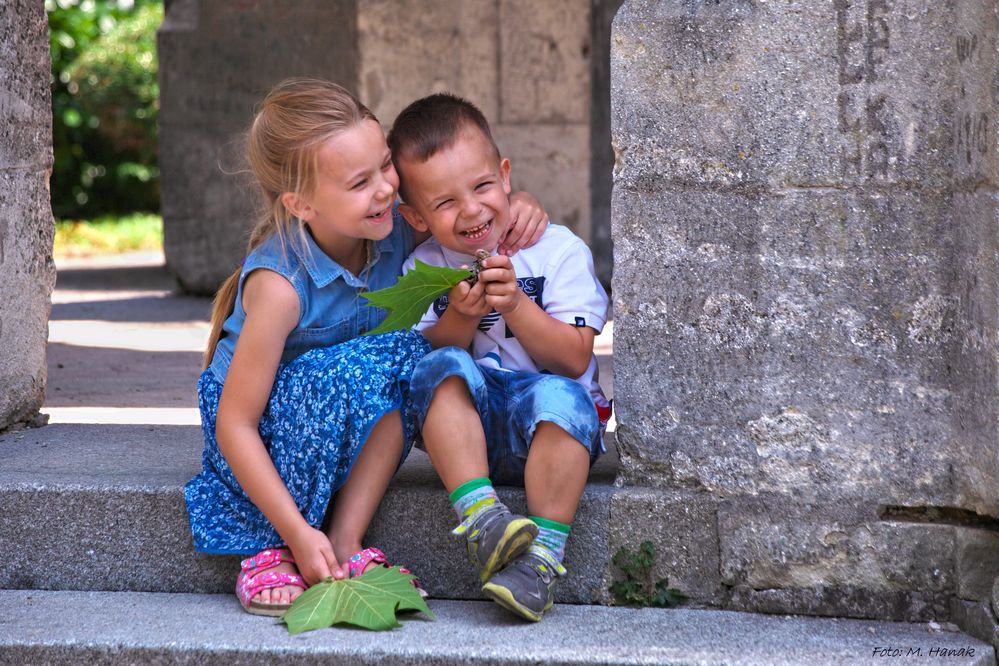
(329, 295)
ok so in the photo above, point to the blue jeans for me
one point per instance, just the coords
(510, 406)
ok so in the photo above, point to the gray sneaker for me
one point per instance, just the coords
(525, 586)
(494, 536)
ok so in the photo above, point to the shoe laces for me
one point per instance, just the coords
(541, 560)
(489, 514)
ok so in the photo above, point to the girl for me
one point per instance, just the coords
(295, 406)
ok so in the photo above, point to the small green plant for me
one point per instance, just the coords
(640, 587)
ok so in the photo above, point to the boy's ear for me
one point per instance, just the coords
(297, 206)
(414, 218)
(505, 174)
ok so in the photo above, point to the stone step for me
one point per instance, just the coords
(100, 507)
(135, 627)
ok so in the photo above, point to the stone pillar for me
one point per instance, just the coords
(217, 60)
(976, 298)
(804, 219)
(601, 155)
(27, 273)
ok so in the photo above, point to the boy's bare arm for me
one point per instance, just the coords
(554, 345)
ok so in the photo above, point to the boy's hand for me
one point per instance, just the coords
(528, 221)
(314, 556)
(468, 301)
(499, 280)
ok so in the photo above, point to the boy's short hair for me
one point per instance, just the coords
(431, 124)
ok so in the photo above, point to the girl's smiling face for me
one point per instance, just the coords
(356, 185)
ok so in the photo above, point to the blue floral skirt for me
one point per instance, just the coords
(321, 411)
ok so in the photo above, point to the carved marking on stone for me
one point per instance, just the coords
(862, 40)
(877, 36)
(4, 226)
(972, 137)
(862, 120)
(971, 125)
(966, 48)
(860, 44)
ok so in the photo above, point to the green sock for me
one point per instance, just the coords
(551, 536)
(472, 495)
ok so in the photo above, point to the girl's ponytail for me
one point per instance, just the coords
(225, 299)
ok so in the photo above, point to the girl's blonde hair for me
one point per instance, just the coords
(282, 147)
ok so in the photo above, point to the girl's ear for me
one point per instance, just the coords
(297, 206)
(505, 174)
(414, 218)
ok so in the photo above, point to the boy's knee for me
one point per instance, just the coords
(442, 363)
(566, 397)
(441, 372)
(452, 388)
(567, 404)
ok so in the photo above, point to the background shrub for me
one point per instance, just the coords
(104, 104)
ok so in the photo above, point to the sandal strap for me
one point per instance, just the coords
(359, 561)
(266, 559)
(249, 586)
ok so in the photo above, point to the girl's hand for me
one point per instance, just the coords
(314, 556)
(500, 281)
(528, 221)
(469, 301)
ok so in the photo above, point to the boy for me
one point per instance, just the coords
(500, 415)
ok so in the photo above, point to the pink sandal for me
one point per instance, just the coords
(254, 578)
(359, 561)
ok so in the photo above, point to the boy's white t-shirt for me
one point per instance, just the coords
(557, 273)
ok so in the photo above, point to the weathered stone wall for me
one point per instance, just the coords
(27, 273)
(976, 294)
(804, 219)
(526, 64)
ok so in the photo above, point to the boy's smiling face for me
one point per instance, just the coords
(460, 194)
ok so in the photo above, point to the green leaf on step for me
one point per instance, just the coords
(313, 609)
(370, 601)
(409, 298)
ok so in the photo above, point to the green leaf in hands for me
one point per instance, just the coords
(408, 299)
(370, 601)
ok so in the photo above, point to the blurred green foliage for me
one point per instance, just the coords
(108, 235)
(104, 103)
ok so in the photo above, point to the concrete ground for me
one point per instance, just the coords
(124, 347)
